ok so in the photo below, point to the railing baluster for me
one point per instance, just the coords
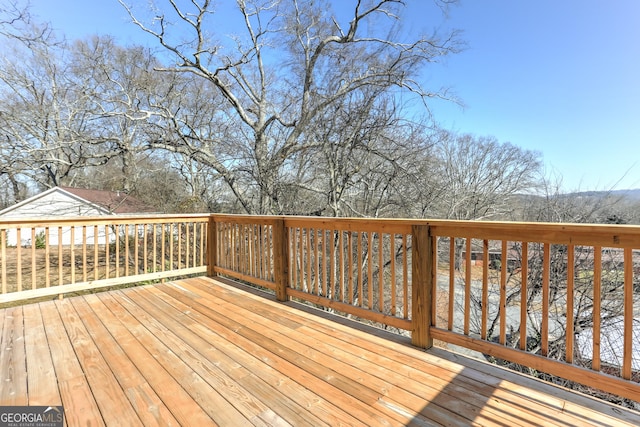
(126, 249)
(72, 254)
(360, 260)
(107, 256)
(34, 273)
(117, 251)
(485, 289)
(3, 253)
(136, 248)
(452, 278)
(343, 270)
(179, 244)
(84, 253)
(47, 261)
(317, 244)
(370, 269)
(467, 286)
(405, 276)
(163, 253)
(323, 260)
(380, 271)
(569, 314)
(504, 265)
(170, 242)
(334, 292)
(203, 236)
(524, 276)
(18, 259)
(96, 247)
(597, 312)
(311, 281)
(60, 256)
(546, 271)
(155, 247)
(628, 314)
(392, 252)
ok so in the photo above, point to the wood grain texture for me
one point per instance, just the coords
(211, 352)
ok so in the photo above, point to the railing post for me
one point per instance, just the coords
(421, 285)
(281, 259)
(212, 246)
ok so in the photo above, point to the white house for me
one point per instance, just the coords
(70, 202)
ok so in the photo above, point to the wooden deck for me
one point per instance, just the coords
(205, 352)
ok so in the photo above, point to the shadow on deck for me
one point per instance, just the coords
(205, 352)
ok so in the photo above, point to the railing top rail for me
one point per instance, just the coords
(559, 233)
(37, 222)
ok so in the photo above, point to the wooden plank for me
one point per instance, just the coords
(77, 397)
(13, 360)
(351, 309)
(581, 375)
(391, 389)
(182, 406)
(106, 390)
(221, 411)
(556, 403)
(341, 390)
(229, 348)
(147, 404)
(447, 402)
(43, 391)
(218, 369)
(549, 407)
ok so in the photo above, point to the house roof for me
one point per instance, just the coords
(116, 202)
(108, 202)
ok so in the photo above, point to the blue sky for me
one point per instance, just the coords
(559, 77)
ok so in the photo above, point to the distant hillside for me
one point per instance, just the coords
(628, 194)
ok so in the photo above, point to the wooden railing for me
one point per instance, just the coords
(557, 298)
(560, 299)
(44, 257)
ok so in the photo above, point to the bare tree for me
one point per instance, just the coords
(292, 64)
(481, 176)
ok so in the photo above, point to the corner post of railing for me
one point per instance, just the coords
(212, 246)
(421, 285)
(281, 258)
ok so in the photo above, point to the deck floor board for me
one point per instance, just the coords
(210, 352)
